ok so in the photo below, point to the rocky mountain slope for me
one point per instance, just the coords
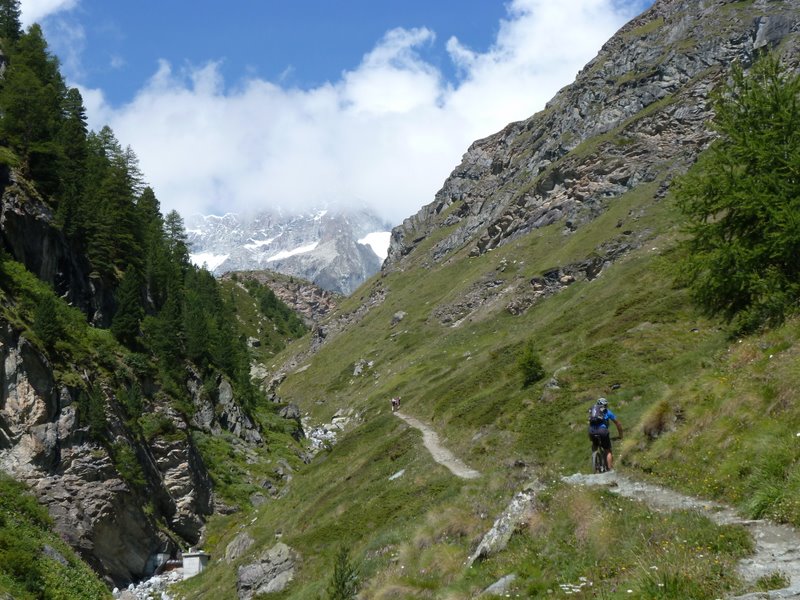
(307, 299)
(333, 248)
(557, 234)
(637, 114)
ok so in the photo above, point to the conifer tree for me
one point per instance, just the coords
(157, 269)
(742, 201)
(10, 22)
(73, 140)
(31, 106)
(176, 238)
(46, 323)
(129, 315)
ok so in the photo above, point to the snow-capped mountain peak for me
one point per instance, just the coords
(336, 249)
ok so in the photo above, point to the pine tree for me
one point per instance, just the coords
(73, 140)
(158, 271)
(46, 323)
(126, 322)
(10, 22)
(176, 238)
(742, 201)
(31, 104)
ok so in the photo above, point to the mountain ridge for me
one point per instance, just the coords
(332, 247)
(650, 119)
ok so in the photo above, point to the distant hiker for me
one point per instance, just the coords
(395, 403)
(599, 416)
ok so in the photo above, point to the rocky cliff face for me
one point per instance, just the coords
(94, 508)
(307, 299)
(638, 113)
(97, 506)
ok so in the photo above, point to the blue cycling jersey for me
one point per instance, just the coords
(609, 415)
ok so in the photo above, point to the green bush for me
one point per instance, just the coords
(530, 365)
(127, 464)
(344, 581)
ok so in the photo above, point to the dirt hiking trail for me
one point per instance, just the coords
(777, 546)
(440, 454)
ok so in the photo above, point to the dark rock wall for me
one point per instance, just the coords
(28, 234)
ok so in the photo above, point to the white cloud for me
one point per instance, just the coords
(387, 133)
(33, 11)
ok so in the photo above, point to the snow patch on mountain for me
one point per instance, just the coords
(209, 260)
(294, 252)
(258, 243)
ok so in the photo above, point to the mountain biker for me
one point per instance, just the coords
(598, 428)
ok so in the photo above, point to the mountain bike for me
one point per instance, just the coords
(599, 457)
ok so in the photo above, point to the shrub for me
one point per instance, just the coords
(344, 582)
(530, 365)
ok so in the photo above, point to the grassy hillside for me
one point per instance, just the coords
(34, 562)
(687, 394)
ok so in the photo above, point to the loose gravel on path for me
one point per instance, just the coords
(440, 454)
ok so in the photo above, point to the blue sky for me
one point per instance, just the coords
(301, 42)
(239, 105)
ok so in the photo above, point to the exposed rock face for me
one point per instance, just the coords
(28, 234)
(272, 573)
(185, 479)
(42, 444)
(637, 113)
(218, 411)
(307, 299)
(320, 335)
(240, 544)
(520, 508)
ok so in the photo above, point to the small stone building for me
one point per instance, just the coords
(194, 562)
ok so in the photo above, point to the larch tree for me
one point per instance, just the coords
(742, 201)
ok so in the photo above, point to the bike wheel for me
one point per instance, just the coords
(598, 464)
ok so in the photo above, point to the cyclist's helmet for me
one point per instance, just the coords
(602, 402)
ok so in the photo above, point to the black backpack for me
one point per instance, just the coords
(597, 415)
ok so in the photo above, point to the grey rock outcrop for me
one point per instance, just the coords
(108, 520)
(240, 544)
(499, 587)
(636, 116)
(185, 479)
(312, 302)
(217, 411)
(42, 443)
(518, 510)
(271, 573)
